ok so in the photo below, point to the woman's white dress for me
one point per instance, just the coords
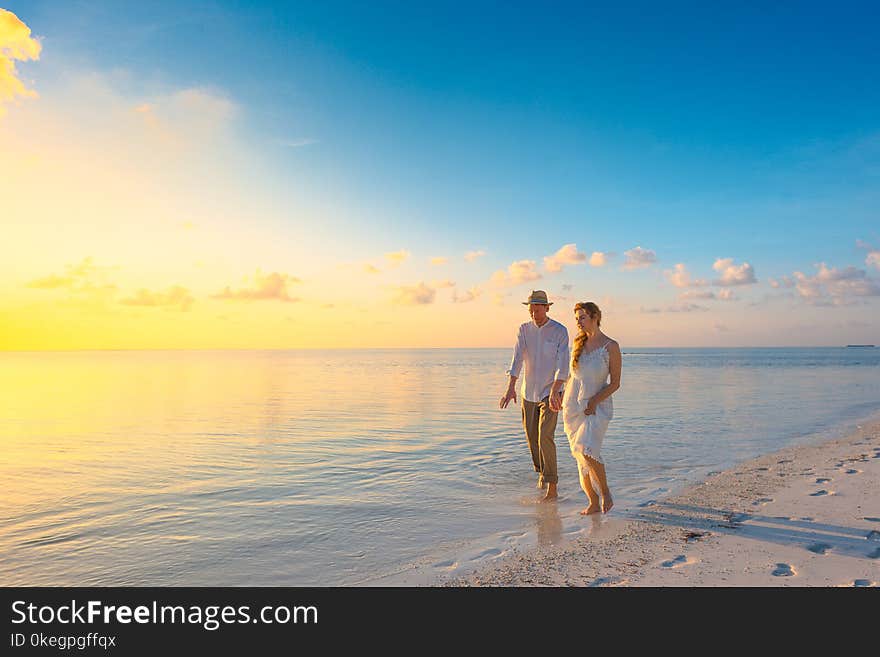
(586, 432)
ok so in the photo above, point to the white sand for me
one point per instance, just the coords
(803, 516)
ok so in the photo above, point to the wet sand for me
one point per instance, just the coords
(802, 516)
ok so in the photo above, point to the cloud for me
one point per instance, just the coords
(442, 284)
(78, 277)
(175, 297)
(370, 269)
(695, 294)
(16, 43)
(266, 288)
(397, 258)
(440, 260)
(415, 295)
(567, 255)
(783, 281)
(639, 258)
(297, 143)
(521, 271)
(187, 118)
(727, 295)
(830, 286)
(600, 259)
(732, 274)
(470, 256)
(470, 295)
(568, 287)
(676, 308)
(680, 277)
(721, 328)
(873, 259)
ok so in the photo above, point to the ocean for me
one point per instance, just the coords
(357, 467)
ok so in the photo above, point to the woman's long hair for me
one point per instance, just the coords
(593, 311)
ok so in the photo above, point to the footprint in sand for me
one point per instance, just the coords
(862, 582)
(853, 471)
(784, 570)
(819, 548)
(606, 581)
(785, 461)
(822, 480)
(819, 493)
(446, 564)
(873, 535)
(872, 519)
(486, 553)
(762, 501)
(646, 504)
(875, 554)
(678, 562)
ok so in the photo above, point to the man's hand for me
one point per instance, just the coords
(508, 396)
(556, 401)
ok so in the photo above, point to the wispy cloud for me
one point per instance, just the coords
(697, 294)
(566, 255)
(470, 256)
(442, 284)
(680, 277)
(732, 274)
(298, 143)
(521, 271)
(76, 277)
(370, 269)
(397, 258)
(439, 260)
(265, 288)
(676, 308)
(781, 282)
(176, 297)
(727, 295)
(414, 295)
(471, 295)
(16, 44)
(639, 258)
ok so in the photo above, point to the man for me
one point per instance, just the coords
(542, 346)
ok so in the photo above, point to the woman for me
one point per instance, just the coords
(587, 406)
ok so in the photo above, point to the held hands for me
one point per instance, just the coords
(556, 401)
(591, 407)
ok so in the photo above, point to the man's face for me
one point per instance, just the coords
(538, 312)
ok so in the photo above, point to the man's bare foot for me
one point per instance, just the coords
(590, 510)
(607, 503)
(551, 493)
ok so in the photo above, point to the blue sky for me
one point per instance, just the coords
(697, 130)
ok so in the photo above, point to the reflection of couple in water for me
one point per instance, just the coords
(542, 350)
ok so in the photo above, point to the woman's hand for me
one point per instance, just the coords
(591, 407)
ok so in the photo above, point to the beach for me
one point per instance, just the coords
(805, 515)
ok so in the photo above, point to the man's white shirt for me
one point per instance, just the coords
(543, 350)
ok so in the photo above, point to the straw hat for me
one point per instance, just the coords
(538, 296)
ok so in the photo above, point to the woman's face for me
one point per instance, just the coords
(586, 323)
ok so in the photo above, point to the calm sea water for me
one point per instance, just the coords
(355, 467)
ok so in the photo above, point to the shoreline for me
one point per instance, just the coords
(804, 515)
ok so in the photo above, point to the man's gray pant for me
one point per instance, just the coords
(540, 424)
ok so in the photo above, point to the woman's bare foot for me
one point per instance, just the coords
(551, 493)
(590, 510)
(607, 503)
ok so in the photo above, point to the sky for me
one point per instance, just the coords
(257, 175)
